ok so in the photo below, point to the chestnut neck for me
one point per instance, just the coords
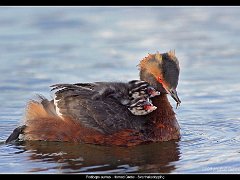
(162, 124)
(164, 112)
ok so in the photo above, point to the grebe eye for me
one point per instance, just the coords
(159, 79)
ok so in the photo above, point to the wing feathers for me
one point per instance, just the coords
(97, 105)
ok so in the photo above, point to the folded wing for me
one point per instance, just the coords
(104, 113)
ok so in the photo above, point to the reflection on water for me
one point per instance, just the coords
(78, 158)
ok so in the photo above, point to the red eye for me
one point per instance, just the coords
(160, 79)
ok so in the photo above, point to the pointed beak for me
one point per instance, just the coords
(174, 95)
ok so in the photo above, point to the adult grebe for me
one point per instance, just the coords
(98, 113)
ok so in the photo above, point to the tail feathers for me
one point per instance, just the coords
(36, 109)
(48, 106)
(41, 108)
(42, 121)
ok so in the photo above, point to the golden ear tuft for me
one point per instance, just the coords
(158, 57)
(171, 53)
(143, 63)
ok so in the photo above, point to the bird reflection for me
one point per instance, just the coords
(86, 158)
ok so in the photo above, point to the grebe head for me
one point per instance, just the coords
(162, 72)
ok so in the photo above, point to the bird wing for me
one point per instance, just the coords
(106, 114)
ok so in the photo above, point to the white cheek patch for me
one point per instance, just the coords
(142, 93)
(137, 112)
(139, 82)
(135, 95)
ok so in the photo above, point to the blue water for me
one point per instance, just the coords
(40, 46)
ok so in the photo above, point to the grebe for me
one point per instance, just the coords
(98, 113)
